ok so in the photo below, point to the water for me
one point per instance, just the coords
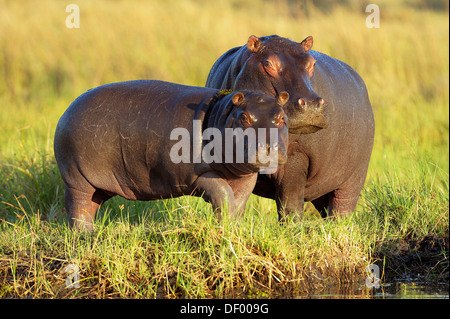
(395, 290)
(411, 290)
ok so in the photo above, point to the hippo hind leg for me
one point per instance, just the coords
(343, 200)
(336, 203)
(321, 204)
(342, 204)
(81, 206)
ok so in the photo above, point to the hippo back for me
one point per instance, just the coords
(221, 76)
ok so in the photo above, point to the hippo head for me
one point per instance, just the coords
(274, 64)
(256, 125)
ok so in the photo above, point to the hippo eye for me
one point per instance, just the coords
(310, 67)
(245, 120)
(272, 65)
(268, 64)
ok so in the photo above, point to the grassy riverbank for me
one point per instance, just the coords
(176, 248)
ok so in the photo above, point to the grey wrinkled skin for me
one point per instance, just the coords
(328, 166)
(115, 140)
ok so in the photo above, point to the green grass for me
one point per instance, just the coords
(178, 252)
(176, 248)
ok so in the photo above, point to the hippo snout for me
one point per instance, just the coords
(275, 152)
(312, 105)
(307, 115)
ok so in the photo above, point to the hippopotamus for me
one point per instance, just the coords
(271, 65)
(330, 121)
(123, 139)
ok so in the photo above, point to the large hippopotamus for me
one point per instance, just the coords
(123, 139)
(330, 121)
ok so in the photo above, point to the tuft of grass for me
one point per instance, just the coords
(414, 207)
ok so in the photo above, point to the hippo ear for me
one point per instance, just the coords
(238, 99)
(307, 43)
(283, 98)
(253, 43)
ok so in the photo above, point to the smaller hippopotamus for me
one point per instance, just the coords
(123, 139)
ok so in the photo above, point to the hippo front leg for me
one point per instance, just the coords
(290, 190)
(216, 191)
(290, 202)
(242, 189)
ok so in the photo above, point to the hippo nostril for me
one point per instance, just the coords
(261, 147)
(319, 104)
(315, 104)
(275, 146)
(302, 102)
(267, 149)
(302, 105)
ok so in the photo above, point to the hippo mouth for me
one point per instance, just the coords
(306, 129)
(307, 123)
(240, 169)
(256, 166)
(253, 168)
